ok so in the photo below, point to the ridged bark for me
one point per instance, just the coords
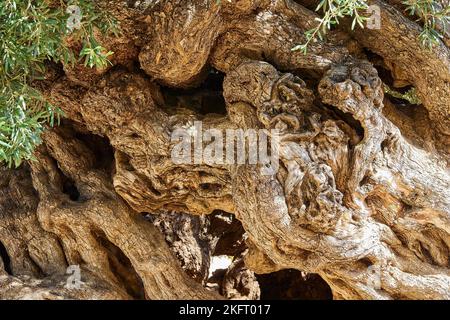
(362, 190)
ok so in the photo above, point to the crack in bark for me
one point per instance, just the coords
(352, 194)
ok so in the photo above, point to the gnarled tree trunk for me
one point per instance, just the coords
(361, 198)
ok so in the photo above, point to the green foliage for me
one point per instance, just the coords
(434, 14)
(31, 33)
(410, 95)
(333, 11)
(95, 55)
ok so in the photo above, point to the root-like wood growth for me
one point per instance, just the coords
(361, 199)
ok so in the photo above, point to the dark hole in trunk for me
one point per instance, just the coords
(101, 147)
(70, 189)
(121, 267)
(6, 260)
(291, 284)
(205, 99)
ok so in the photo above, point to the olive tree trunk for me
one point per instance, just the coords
(361, 196)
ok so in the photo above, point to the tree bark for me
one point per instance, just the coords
(361, 198)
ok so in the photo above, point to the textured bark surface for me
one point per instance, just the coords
(360, 205)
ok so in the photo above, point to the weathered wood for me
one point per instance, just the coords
(361, 196)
